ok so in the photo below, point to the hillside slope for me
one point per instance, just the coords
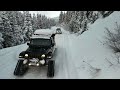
(90, 49)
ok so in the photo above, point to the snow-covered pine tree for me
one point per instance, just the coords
(39, 21)
(48, 23)
(72, 23)
(95, 16)
(107, 13)
(89, 15)
(103, 13)
(20, 24)
(68, 18)
(64, 17)
(44, 22)
(28, 30)
(1, 41)
(52, 22)
(20, 19)
(34, 22)
(16, 28)
(12, 19)
(61, 17)
(1, 29)
(7, 30)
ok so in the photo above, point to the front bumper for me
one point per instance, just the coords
(39, 56)
(34, 62)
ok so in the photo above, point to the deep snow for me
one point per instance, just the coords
(77, 57)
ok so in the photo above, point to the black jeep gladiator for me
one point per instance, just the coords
(39, 53)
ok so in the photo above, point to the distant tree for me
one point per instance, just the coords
(68, 16)
(42, 22)
(1, 41)
(77, 21)
(34, 22)
(1, 29)
(39, 21)
(61, 17)
(107, 13)
(28, 30)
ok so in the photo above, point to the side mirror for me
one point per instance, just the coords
(28, 44)
(52, 44)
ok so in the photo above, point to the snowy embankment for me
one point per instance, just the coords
(88, 47)
(77, 57)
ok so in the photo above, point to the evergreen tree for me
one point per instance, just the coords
(34, 22)
(1, 29)
(39, 21)
(68, 17)
(61, 17)
(7, 31)
(28, 31)
(1, 41)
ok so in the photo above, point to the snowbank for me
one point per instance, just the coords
(91, 49)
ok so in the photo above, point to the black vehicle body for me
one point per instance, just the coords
(58, 31)
(36, 51)
(39, 53)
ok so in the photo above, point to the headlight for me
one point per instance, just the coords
(43, 56)
(20, 56)
(26, 55)
(49, 57)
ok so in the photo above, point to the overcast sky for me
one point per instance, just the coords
(50, 14)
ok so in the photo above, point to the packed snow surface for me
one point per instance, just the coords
(44, 31)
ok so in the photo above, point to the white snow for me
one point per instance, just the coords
(77, 57)
(41, 36)
(44, 31)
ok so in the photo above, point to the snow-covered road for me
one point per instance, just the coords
(65, 68)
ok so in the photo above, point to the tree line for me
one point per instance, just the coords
(77, 21)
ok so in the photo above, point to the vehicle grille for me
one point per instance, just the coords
(35, 55)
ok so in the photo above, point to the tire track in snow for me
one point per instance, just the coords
(65, 63)
(69, 59)
(65, 67)
(59, 66)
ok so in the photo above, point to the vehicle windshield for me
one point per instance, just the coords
(42, 42)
